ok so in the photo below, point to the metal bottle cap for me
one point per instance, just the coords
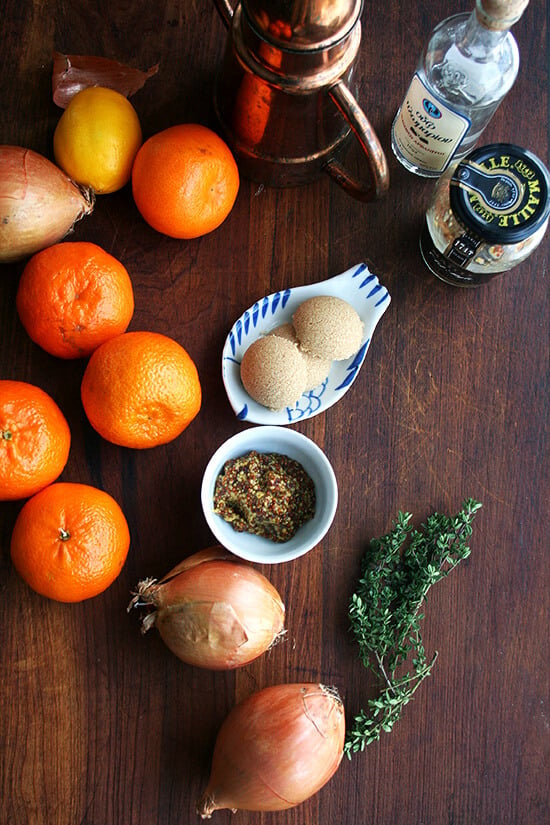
(501, 193)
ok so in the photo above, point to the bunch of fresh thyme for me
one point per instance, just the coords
(384, 611)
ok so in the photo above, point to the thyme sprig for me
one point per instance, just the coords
(397, 571)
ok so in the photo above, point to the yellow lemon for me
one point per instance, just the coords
(97, 139)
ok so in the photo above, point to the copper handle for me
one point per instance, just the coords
(365, 134)
(226, 11)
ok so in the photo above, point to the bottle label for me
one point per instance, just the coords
(427, 132)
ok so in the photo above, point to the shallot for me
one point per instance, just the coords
(213, 611)
(276, 749)
(39, 204)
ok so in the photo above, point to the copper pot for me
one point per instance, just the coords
(282, 94)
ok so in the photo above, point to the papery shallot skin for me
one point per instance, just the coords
(276, 749)
(74, 72)
(39, 204)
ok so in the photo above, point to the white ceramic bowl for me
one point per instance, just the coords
(273, 439)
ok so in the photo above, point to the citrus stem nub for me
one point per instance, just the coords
(64, 535)
(6, 435)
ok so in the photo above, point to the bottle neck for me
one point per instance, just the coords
(478, 39)
(499, 15)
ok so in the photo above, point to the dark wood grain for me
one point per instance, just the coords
(101, 726)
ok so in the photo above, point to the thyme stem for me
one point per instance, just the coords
(397, 572)
(382, 670)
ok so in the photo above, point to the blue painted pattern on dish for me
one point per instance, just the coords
(359, 287)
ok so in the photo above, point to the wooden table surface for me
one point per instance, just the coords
(101, 726)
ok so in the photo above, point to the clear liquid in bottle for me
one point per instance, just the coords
(463, 75)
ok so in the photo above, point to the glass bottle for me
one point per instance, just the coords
(470, 63)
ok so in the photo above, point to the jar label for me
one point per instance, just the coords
(451, 265)
(462, 249)
(427, 132)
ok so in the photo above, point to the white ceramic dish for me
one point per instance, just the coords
(297, 446)
(359, 287)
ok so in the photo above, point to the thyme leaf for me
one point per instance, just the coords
(397, 572)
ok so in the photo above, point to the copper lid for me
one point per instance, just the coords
(303, 24)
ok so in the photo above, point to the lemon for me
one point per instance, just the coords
(97, 139)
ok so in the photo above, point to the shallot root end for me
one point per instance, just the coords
(207, 805)
(281, 635)
(143, 595)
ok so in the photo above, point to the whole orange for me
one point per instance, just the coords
(70, 541)
(185, 181)
(140, 389)
(34, 440)
(74, 296)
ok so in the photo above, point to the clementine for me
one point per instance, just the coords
(34, 440)
(74, 296)
(70, 541)
(140, 389)
(185, 181)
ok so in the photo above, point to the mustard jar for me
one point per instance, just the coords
(487, 214)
